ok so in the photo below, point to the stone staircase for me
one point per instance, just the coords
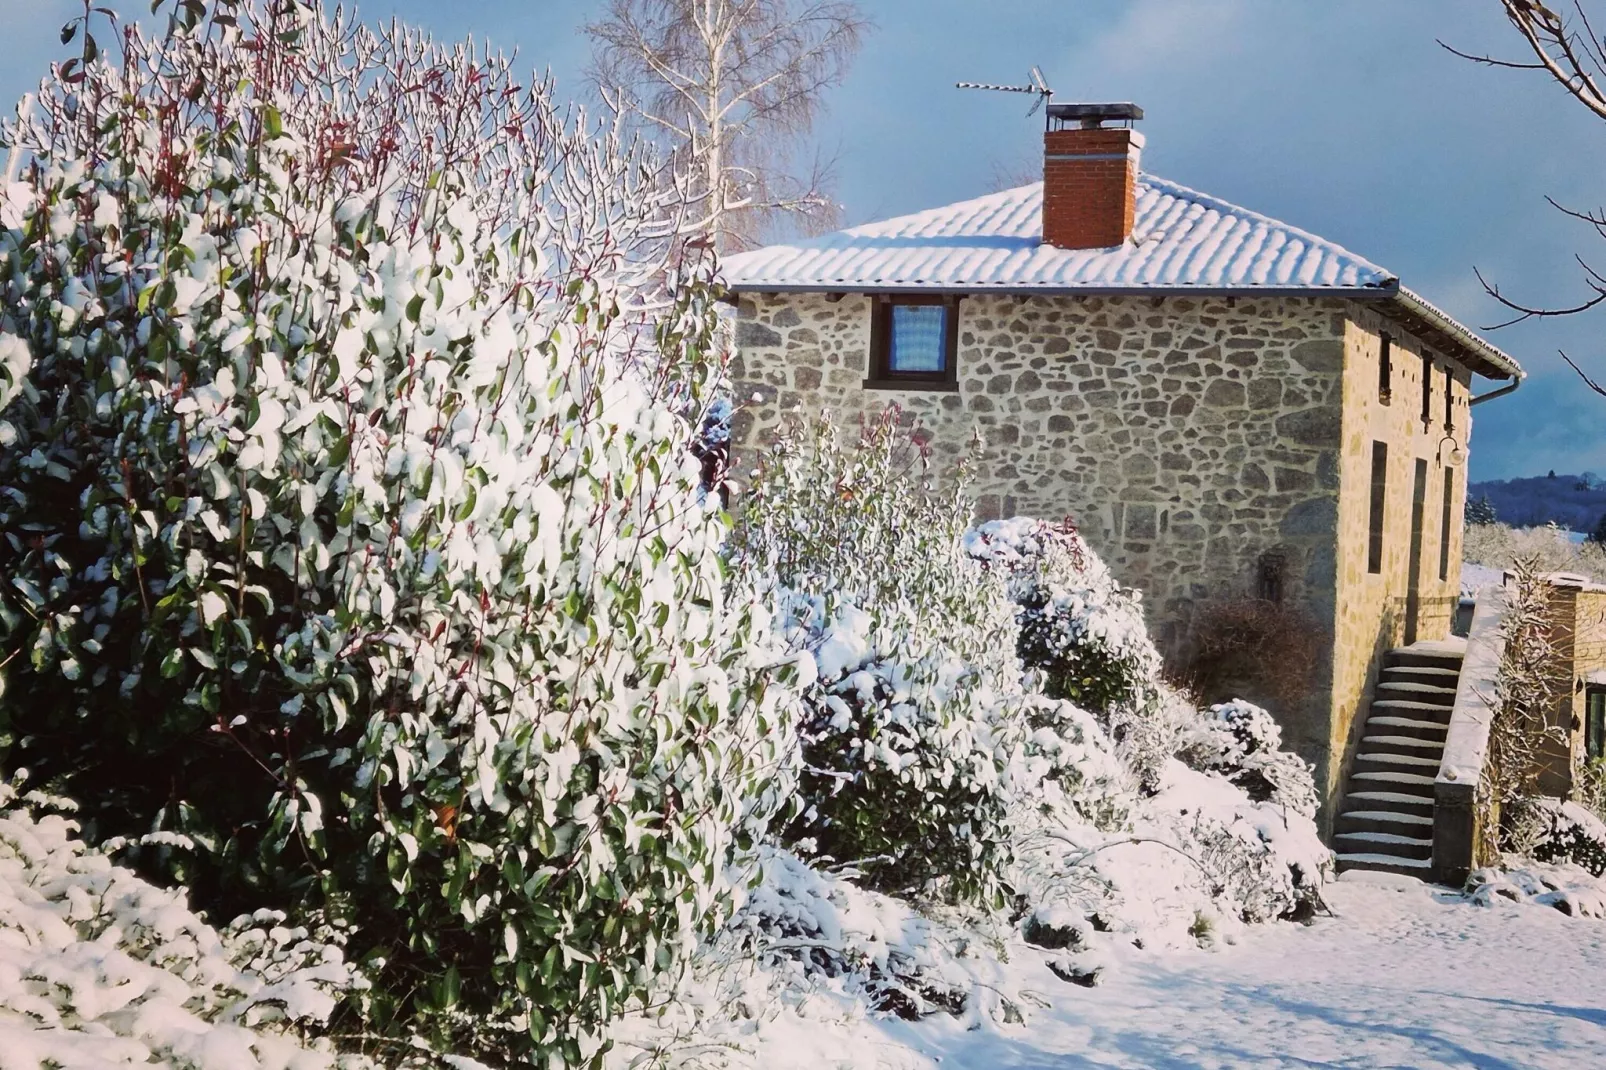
(1386, 819)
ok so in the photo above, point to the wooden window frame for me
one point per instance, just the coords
(1385, 368)
(1445, 525)
(880, 375)
(1379, 508)
(1427, 390)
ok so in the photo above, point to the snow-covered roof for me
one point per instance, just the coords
(1182, 241)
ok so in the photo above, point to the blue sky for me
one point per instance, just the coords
(1346, 119)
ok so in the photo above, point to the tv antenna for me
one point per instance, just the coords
(1038, 87)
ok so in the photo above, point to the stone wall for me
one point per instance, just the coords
(1372, 607)
(1581, 649)
(1189, 438)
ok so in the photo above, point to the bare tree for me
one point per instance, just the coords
(733, 86)
(1523, 730)
(1566, 46)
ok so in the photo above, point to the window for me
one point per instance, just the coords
(1385, 370)
(1444, 524)
(1427, 389)
(1595, 722)
(1380, 475)
(913, 343)
(1449, 400)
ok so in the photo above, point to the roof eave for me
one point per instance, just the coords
(1436, 326)
(1018, 290)
(1409, 308)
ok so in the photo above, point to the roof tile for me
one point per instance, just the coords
(1181, 239)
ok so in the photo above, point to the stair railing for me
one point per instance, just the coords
(1460, 802)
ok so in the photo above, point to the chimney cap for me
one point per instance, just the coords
(1090, 115)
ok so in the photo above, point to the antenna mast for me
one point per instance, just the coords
(1038, 87)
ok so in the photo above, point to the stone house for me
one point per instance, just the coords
(1229, 407)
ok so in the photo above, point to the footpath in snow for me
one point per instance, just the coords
(1405, 975)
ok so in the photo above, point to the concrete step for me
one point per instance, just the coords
(1410, 689)
(1382, 799)
(1411, 867)
(1430, 711)
(1436, 675)
(1403, 824)
(1391, 780)
(1387, 744)
(1386, 843)
(1416, 727)
(1413, 658)
(1370, 761)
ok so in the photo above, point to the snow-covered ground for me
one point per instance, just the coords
(1404, 975)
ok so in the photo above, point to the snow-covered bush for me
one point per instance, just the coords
(826, 926)
(1241, 820)
(1242, 742)
(1557, 831)
(100, 969)
(1081, 629)
(1153, 731)
(915, 724)
(807, 964)
(352, 537)
(1559, 885)
(1198, 847)
(1551, 549)
(1074, 769)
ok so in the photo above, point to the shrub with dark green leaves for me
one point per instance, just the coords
(1564, 832)
(1079, 628)
(349, 526)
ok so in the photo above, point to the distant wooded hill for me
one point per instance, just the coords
(1569, 501)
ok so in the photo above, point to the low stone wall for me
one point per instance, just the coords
(1458, 790)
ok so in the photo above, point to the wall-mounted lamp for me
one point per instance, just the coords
(1457, 454)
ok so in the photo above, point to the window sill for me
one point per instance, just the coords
(911, 384)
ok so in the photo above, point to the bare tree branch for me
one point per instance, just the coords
(1526, 312)
(1567, 48)
(734, 86)
(1489, 61)
(1596, 387)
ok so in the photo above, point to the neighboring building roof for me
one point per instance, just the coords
(1182, 242)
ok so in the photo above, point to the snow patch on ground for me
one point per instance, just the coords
(1476, 578)
(1400, 974)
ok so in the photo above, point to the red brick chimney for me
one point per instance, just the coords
(1088, 175)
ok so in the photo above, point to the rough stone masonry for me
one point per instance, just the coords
(1191, 439)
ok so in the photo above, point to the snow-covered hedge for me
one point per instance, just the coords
(914, 736)
(1563, 886)
(1564, 832)
(100, 969)
(1242, 742)
(1105, 846)
(351, 535)
(1081, 629)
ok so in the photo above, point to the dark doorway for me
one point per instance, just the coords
(1595, 723)
(1413, 583)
